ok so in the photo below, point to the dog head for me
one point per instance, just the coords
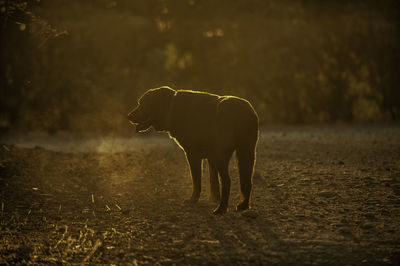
(152, 109)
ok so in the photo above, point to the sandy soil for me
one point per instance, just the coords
(322, 195)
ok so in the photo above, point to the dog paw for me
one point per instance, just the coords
(219, 210)
(242, 206)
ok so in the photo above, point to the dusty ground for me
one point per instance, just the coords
(322, 195)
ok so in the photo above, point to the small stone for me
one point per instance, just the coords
(369, 216)
(165, 226)
(367, 226)
(345, 232)
(327, 194)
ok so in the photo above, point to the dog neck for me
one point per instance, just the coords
(168, 125)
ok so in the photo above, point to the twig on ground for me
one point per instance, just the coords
(94, 249)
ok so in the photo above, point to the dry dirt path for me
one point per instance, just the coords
(322, 195)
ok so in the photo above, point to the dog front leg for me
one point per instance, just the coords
(195, 170)
(215, 194)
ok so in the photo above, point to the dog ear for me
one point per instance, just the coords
(166, 90)
(157, 94)
(162, 96)
(161, 104)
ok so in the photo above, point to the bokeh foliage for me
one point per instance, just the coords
(80, 65)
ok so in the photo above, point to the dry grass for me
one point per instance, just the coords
(321, 196)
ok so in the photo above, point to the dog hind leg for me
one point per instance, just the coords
(246, 159)
(195, 169)
(222, 166)
(215, 195)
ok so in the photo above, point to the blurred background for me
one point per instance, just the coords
(79, 66)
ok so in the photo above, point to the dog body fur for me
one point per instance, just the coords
(206, 126)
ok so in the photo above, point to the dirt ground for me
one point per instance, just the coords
(322, 195)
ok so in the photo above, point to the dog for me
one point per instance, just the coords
(205, 126)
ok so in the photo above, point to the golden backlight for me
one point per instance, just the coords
(286, 115)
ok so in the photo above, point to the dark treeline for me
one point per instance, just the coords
(80, 65)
